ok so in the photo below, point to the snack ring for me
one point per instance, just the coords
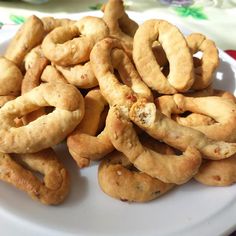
(167, 168)
(27, 37)
(181, 76)
(225, 115)
(10, 78)
(217, 173)
(31, 57)
(118, 22)
(209, 61)
(103, 66)
(52, 75)
(117, 178)
(81, 76)
(194, 119)
(47, 130)
(72, 44)
(50, 23)
(160, 127)
(55, 185)
(83, 144)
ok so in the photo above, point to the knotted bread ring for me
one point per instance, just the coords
(47, 130)
(159, 126)
(55, 185)
(118, 178)
(217, 173)
(224, 116)
(27, 37)
(181, 76)
(83, 144)
(121, 133)
(118, 22)
(10, 80)
(209, 61)
(72, 44)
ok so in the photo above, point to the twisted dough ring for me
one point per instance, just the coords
(55, 185)
(63, 46)
(10, 80)
(159, 126)
(81, 76)
(224, 116)
(51, 75)
(47, 130)
(181, 76)
(217, 173)
(209, 61)
(103, 66)
(32, 56)
(118, 22)
(121, 133)
(50, 23)
(27, 37)
(83, 144)
(118, 178)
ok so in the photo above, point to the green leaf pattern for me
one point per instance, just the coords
(17, 19)
(195, 12)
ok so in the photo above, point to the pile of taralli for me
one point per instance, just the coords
(134, 96)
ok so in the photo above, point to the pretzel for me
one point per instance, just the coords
(51, 75)
(118, 22)
(10, 78)
(70, 45)
(83, 144)
(55, 185)
(27, 37)
(118, 178)
(149, 118)
(209, 61)
(181, 75)
(46, 131)
(50, 23)
(81, 76)
(217, 173)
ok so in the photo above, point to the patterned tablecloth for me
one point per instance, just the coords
(214, 18)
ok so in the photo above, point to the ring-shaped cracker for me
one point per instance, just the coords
(27, 37)
(159, 126)
(209, 61)
(52, 75)
(55, 185)
(118, 22)
(181, 76)
(83, 144)
(47, 130)
(72, 44)
(81, 76)
(10, 78)
(118, 179)
(50, 23)
(225, 115)
(167, 168)
(217, 173)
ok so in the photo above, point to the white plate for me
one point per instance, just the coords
(192, 209)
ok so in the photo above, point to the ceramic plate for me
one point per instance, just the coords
(192, 209)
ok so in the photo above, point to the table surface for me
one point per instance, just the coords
(215, 19)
